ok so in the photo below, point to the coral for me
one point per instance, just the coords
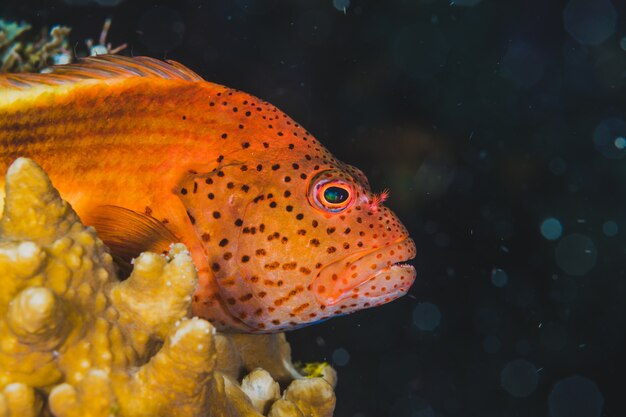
(21, 51)
(75, 341)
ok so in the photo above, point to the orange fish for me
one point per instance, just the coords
(282, 233)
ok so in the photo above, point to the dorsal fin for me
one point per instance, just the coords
(101, 67)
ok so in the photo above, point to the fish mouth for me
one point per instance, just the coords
(376, 274)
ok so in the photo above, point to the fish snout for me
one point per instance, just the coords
(371, 277)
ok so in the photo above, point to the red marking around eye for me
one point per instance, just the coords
(377, 200)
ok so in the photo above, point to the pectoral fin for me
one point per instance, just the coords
(127, 233)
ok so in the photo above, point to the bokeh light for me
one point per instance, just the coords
(551, 228)
(341, 5)
(610, 228)
(609, 138)
(426, 316)
(590, 22)
(576, 254)
(341, 357)
(519, 378)
(575, 396)
(499, 278)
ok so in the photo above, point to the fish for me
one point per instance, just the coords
(282, 233)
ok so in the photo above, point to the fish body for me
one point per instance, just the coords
(282, 233)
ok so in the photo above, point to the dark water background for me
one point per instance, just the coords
(499, 127)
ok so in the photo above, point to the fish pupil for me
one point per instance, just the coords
(336, 195)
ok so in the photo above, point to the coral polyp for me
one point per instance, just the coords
(76, 341)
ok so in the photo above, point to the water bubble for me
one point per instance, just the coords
(575, 396)
(341, 5)
(576, 254)
(341, 357)
(551, 228)
(519, 378)
(590, 22)
(557, 166)
(499, 278)
(492, 344)
(426, 316)
(610, 228)
(522, 64)
(609, 138)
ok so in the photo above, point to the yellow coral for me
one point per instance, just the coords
(94, 346)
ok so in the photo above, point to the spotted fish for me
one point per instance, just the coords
(282, 233)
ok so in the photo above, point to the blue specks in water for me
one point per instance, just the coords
(576, 254)
(575, 396)
(341, 5)
(499, 278)
(426, 316)
(610, 228)
(609, 138)
(519, 378)
(551, 228)
(590, 22)
(341, 357)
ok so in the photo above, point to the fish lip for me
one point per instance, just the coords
(394, 262)
(393, 267)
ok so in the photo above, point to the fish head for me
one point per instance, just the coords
(294, 242)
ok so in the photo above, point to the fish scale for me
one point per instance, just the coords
(149, 153)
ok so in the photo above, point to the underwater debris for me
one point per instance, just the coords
(75, 341)
(23, 51)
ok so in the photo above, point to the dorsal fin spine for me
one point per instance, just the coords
(101, 68)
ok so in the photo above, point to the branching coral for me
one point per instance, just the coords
(20, 51)
(74, 341)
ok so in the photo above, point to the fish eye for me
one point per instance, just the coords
(332, 195)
